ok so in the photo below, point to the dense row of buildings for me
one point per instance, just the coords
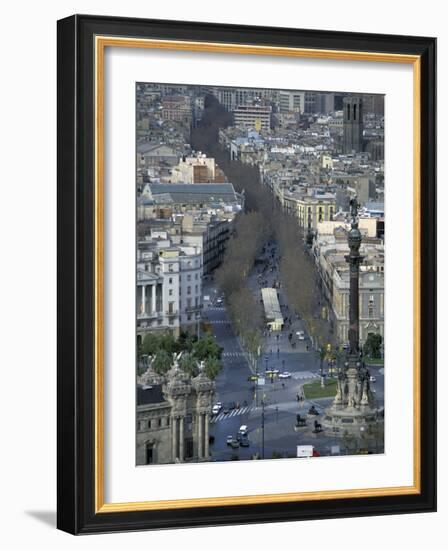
(185, 212)
(314, 152)
(330, 250)
(319, 151)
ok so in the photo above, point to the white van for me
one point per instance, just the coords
(305, 451)
(243, 430)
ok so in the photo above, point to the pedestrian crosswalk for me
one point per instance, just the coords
(233, 354)
(232, 413)
(214, 308)
(304, 375)
(218, 322)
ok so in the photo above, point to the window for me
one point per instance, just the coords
(371, 305)
(170, 292)
(188, 277)
(188, 289)
(170, 280)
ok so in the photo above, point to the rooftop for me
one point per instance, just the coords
(151, 395)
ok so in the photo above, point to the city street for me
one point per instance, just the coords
(243, 400)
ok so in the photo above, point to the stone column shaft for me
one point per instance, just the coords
(200, 437)
(143, 300)
(354, 306)
(181, 439)
(174, 441)
(206, 451)
(153, 299)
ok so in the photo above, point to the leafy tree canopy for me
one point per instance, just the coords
(372, 347)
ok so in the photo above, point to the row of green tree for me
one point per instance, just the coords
(264, 220)
(251, 232)
(162, 346)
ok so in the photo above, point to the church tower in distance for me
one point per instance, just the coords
(353, 125)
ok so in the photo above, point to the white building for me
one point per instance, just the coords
(197, 169)
(169, 285)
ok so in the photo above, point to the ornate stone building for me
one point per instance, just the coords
(173, 416)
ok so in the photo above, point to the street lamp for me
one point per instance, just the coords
(262, 426)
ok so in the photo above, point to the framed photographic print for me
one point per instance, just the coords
(246, 274)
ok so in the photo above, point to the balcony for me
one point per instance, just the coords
(193, 309)
(150, 315)
(173, 313)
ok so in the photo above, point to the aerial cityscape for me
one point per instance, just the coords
(259, 273)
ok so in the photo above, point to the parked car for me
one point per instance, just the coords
(300, 335)
(372, 379)
(285, 374)
(234, 443)
(229, 439)
(216, 409)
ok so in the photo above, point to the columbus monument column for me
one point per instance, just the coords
(353, 410)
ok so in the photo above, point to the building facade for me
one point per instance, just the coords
(291, 101)
(371, 304)
(177, 108)
(253, 116)
(330, 250)
(173, 416)
(169, 286)
(310, 210)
